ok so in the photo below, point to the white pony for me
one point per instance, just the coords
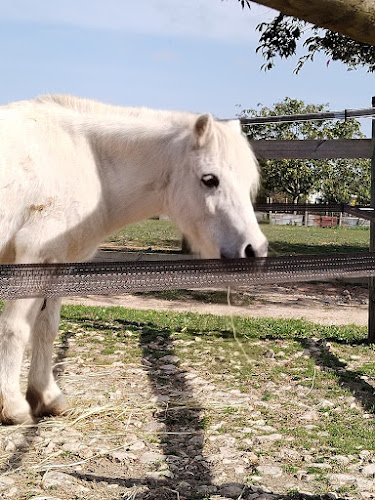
(74, 171)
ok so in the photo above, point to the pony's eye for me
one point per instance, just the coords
(210, 181)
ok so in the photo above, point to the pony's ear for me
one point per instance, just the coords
(203, 129)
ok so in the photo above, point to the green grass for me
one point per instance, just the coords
(161, 235)
(208, 326)
(294, 240)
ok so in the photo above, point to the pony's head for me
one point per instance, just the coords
(211, 191)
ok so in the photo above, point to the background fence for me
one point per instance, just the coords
(324, 149)
(318, 214)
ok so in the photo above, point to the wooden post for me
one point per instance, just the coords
(269, 200)
(371, 301)
(306, 219)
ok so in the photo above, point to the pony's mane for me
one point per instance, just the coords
(91, 107)
(157, 120)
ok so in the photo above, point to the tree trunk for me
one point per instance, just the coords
(352, 18)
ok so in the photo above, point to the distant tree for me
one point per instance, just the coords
(350, 37)
(336, 180)
(341, 179)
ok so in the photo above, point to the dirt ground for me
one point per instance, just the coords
(326, 303)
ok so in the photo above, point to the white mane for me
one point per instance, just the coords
(91, 107)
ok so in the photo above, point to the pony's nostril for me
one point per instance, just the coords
(249, 252)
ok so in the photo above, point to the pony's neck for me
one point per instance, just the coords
(134, 162)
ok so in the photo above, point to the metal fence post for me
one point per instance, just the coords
(371, 302)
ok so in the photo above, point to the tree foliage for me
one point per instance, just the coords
(335, 180)
(282, 36)
(342, 179)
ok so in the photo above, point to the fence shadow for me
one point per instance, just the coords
(179, 414)
(351, 379)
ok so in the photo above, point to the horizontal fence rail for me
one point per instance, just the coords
(367, 213)
(324, 115)
(51, 280)
(300, 207)
(312, 149)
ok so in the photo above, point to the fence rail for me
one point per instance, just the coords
(56, 280)
(363, 212)
(312, 149)
(324, 115)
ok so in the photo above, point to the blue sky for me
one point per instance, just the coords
(196, 55)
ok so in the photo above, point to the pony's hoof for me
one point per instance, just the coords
(40, 408)
(19, 416)
(57, 407)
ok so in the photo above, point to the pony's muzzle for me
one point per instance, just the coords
(249, 252)
(260, 251)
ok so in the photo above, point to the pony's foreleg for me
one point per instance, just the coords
(43, 394)
(16, 324)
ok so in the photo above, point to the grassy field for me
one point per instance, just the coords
(294, 240)
(284, 240)
(158, 235)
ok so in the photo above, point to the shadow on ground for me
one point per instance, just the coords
(362, 391)
(281, 248)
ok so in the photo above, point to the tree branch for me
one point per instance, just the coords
(352, 18)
